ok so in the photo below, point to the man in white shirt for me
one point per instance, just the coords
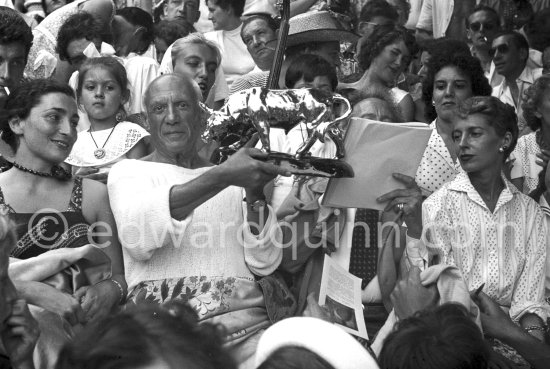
(483, 25)
(510, 52)
(439, 18)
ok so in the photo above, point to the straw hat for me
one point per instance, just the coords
(318, 26)
(325, 339)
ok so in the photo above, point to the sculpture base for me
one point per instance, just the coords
(311, 166)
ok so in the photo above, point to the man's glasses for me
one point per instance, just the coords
(476, 26)
(502, 49)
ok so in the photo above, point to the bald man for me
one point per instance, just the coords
(186, 232)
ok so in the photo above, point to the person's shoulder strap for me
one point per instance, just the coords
(75, 204)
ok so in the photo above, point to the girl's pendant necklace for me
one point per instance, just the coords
(100, 152)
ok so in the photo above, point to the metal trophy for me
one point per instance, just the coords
(258, 109)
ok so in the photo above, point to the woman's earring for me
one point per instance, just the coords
(433, 103)
(502, 148)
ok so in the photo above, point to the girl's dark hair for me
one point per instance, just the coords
(309, 66)
(531, 100)
(77, 26)
(466, 64)
(139, 18)
(143, 334)
(502, 117)
(293, 357)
(109, 63)
(381, 37)
(442, 338)
(23, 99)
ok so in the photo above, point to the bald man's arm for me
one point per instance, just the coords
(244, 169)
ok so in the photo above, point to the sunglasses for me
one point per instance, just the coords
(476, 26)
(502, 49)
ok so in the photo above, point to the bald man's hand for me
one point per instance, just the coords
(249, 169)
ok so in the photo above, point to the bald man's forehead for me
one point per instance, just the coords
(173, 84)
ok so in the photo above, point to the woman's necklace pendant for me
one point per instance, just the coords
(99, 153)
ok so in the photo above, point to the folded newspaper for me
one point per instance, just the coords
(340, 294)
(375, 150)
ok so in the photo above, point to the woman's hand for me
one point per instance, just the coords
(98, 301)
(411, 199)
(496, 323)
(20, 335)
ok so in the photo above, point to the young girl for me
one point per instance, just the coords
(102, 91)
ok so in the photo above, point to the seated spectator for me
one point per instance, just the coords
(467, 211)
(376, 105)
(257, 30)
(311, 71)
(15, 43)
(198, 58)
(441, 47)
(166, 33)
(225, 16)
(317, 33)
(133, 41)
(451, 79)
(386, 54)
(147, 337)
(185, 12)
(167, 254)
(43, 58)
(403, 8)
(510, 53)
(445, 337)
(102, 92)
(532, 151)
(40, 124)
(440, 18)
(18, 328)
(81, 31)
(483, 24)
(310, 343)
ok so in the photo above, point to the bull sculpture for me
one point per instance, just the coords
(257, 109)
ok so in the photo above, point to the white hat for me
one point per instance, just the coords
(320, 26)
(327, 340)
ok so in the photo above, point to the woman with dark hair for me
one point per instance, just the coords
(58, 217)
(148, 337)
(479, 222)
(533, 149)
(384, 56)
(450, 80)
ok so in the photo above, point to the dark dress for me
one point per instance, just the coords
(49, 229)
